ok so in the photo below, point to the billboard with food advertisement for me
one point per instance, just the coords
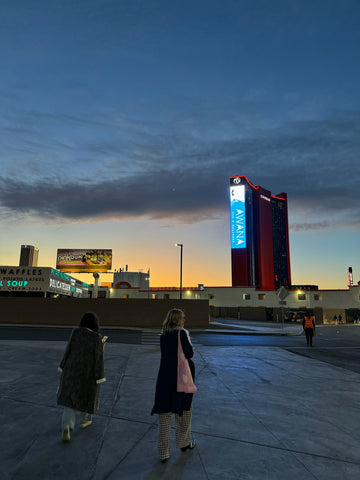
(45, 280)
(83, 260)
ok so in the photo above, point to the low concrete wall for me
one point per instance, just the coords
(111, 312)
(260, 314)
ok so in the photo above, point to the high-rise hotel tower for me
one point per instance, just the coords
(28, 256)
(260, 255)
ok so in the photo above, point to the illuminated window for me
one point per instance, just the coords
(317, 296)
(301, 296)
(246, 296)
(261, 296)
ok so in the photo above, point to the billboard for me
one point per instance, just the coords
(237, 216)
(83, 260)
(63, 284)
(24, 279)
(40, 279)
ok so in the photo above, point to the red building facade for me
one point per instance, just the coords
(260, 255)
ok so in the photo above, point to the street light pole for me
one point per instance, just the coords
(96, 283)
(181, 260)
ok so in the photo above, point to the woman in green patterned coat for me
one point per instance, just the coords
(82, 372)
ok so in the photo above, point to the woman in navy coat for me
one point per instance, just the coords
(167, 399)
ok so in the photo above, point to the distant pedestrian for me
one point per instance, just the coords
(335, 319)
(356, 318)
(309, 328)
(340, 319)
(170, 396)
(82, 370)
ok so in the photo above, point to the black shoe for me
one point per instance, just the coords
(191, 445)
(164, 460)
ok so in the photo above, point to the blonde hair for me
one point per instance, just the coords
(172, 320)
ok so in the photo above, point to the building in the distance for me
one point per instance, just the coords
(260, 255)
(125, 284)
(28, 256)
(124, 279)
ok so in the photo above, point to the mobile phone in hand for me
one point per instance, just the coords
(104, 339)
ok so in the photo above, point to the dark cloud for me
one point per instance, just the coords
(175, 175)
(155, 195)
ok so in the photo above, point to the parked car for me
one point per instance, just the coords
(296, 315)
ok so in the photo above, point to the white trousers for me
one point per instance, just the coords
(69, 418)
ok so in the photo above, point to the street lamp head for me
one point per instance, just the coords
(178, 244)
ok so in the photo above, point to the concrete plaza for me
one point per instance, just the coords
(260, 413)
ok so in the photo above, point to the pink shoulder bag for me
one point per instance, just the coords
(184, 378)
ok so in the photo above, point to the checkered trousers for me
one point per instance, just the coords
(182, 432)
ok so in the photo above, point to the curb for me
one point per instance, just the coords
(242, 332)
(236, 331)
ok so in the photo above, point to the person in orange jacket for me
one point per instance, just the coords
(309, 328)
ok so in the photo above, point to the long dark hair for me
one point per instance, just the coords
(90, 320)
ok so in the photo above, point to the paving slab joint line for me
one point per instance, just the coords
(127, 453)
(255, 416)
(27, 402)
(23, 457)
(108, 419)
(201, 461)
(206, 364)
(202, 369)
(274, 447)
(304, 466)
(235, 395)
(124, 419)
(56, 407)
(323, 360)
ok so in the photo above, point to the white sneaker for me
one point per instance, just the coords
(66, 434)
(86, 424)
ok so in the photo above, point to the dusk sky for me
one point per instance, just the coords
(122, 120)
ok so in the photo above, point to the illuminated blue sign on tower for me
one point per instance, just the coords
(237, 216)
